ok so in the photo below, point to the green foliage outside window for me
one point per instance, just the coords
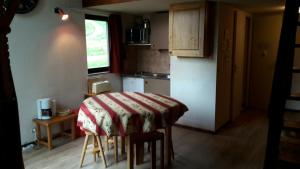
(97, 43)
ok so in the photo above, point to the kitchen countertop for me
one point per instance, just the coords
(148, 75)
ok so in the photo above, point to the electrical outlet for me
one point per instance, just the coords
(33, 130)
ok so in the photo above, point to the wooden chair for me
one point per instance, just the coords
(114, 141)
(97, 148)
(172, 149)
(152, 137)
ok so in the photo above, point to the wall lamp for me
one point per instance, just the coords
(64, 16)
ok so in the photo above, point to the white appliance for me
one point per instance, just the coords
(46, 108)
(101, 86)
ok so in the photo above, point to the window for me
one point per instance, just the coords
(97, 43)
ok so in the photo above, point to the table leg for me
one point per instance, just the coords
(62, 128)
(139, 153)
(38, 132)
(162, 161)
(95, 147)
(73, 121)
(49, 135)
(130, 152)
(116, 147)
(153, 154)
(122, 145)
(107, 142)
(168, 144)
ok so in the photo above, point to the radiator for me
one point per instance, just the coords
(100, 87)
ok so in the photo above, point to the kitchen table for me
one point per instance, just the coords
(127, 113)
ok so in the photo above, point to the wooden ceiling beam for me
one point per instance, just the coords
(90, 3)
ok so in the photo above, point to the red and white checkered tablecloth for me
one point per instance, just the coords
(128, 112)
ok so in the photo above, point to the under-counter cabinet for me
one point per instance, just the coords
(133, 84)
(147, 85)
(189, 34)
(158, 86)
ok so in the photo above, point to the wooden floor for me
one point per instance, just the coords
(240, 145)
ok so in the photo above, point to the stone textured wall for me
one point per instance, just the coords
(153, 60)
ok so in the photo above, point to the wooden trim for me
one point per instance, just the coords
(208, 25)
(171, 13)
(96, 17)
(193, 53)
(187, 6)
(89, 3)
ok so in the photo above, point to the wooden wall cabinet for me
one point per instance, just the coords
(189, 34)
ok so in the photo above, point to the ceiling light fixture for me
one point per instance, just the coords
(64, 16)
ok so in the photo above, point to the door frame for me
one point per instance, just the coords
(246, 65)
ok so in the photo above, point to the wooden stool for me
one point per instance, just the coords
(114, 140)
(152, 137)
(96, 149)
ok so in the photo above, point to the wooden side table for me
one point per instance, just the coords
(48, 124)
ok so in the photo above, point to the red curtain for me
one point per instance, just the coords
(10, 136)
(115, 33)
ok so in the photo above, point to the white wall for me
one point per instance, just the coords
(193, 82)
(48, 59)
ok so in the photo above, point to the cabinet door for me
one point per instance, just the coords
(158, 86)
(133, 84)
(188, 30)
(160, 30)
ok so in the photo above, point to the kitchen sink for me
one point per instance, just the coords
(148, 74)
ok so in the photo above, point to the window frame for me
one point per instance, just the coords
(100, 69)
